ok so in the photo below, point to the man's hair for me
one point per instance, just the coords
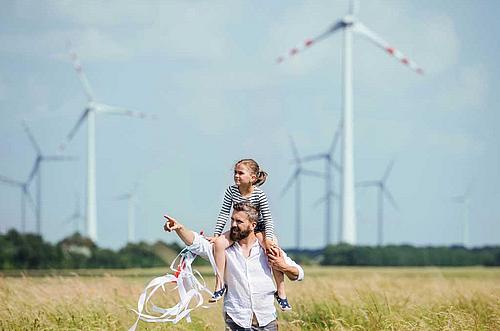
(247, 207)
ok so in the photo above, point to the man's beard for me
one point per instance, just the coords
(235, 234)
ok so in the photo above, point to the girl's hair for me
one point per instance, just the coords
(254, 167)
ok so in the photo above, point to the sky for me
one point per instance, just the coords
(207, 70)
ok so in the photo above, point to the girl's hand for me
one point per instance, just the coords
(271, 247)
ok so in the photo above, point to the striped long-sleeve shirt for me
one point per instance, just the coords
(258, 199)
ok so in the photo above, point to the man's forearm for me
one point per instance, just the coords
(186, 235)
(291, 272)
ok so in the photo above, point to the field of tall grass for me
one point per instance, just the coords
(330, 298)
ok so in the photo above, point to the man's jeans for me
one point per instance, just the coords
(231, 326)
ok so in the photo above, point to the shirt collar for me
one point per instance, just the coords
(256, 243)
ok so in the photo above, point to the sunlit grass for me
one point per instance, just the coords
(328, 299)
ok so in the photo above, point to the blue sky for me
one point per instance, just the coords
(207, 70)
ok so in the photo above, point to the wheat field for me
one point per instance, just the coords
(330, 298)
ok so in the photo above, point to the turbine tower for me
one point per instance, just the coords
(330, 165)
(330, 193)
(77, 216)
(36, 171)
(295, 179)
(464, 200)
(381, 192)
(349, 24)
(131, 197)
(89, 113)
(25, 195)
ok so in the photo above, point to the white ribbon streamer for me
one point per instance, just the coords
(188, 287)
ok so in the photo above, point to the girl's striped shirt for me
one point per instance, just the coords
(258, 198)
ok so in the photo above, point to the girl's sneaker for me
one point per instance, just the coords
(218, 294)
(284, 305)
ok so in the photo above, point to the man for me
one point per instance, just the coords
(249, 300)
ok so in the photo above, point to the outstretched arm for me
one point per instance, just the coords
(186, 235)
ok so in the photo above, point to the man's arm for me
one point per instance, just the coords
(194, 242)
(186, 235)
(293, 271)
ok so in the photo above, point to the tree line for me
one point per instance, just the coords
(400, 255)
(30, 251)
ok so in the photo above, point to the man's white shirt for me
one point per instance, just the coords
(249, 280)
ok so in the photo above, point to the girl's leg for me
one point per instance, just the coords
(279, 278)
(221, 243)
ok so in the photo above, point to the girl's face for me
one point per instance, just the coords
(243, 175)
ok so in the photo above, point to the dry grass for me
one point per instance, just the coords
(329, 299)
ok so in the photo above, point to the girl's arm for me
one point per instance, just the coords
(224, 212)
(266, 216)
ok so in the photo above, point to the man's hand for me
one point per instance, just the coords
(171, 224)
(271, 247)
(277, 262)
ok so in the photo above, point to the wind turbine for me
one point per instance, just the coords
(131, 197)
(89, 113)
(295, 179)
(25, 195)
(77, 216)
(349, 24)
(330, 164)
(381, 192)
(36, 171)
(464, 200)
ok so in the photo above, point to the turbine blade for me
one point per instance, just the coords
(319, 201)
(59, 158)
(32, 138)
(30, 199)
(335, 195)
(111, 110)
(123, 196)
(9, 181)
(387, 171)
(290, 182)
(367, 183)
(390, 198)
(335, 141)
(294, 149)
(73, 131)
(70, 219)
(81, 74)
(378, 41)
(336, 166)
(34, 170)
(310, 42)
(313, 157)
(312, 173)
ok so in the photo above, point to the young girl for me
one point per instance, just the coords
(247, 178)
